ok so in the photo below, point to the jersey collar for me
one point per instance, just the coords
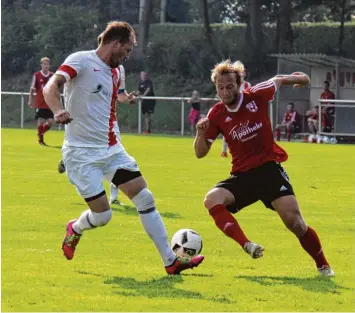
(45, 75)
(239, 104)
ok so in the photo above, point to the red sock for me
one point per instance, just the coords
(278, 134)
(311, 243)
(228, 224)
(40, 130)
(46, 127)
(289, 133)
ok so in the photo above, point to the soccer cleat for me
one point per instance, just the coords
(254, 250)
(71, 239)
(224, 155)
(326, 270)
(181, 264)
(61, 167)
(116, 201)
(147, 132)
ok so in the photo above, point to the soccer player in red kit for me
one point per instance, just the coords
(242, 118)
(288, 122)
(43, 114)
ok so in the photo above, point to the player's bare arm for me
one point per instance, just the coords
(297, 79)
(126, 97)
(51, 93)
(201, 145)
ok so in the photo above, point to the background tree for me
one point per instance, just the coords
(284, 33)
(144, 25)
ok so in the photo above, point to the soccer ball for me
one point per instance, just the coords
(325, 139)
(333, 141)
(186, 243)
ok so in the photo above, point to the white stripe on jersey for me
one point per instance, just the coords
(264, 85)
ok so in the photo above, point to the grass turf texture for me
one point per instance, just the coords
(116, 268)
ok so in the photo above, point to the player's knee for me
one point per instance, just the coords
(144, 201)
(212, 198)
(100, 219)
(296, 224)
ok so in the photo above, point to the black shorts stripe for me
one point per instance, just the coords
(102, 193)
(123, 176)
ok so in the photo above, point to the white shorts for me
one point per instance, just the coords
(87, 167)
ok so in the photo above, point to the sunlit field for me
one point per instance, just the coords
(116, 268)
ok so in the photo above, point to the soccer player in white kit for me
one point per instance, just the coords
(93, 81)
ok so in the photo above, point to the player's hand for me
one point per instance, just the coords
(62, 117)
(202, 125)
(306, 82)
(30, 105)
(131, 97)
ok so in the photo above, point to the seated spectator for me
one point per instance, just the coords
(290, 122)
(312, 119)
(328, 111)
(195, 110)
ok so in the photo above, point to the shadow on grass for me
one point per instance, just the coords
(315, 284)
(131, 210)
(160, 287)
(54, 147)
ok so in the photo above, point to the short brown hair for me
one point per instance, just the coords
(45, 59)
(117, 31)
(227, 67)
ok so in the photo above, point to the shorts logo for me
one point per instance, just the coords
(252, 107)
(283, 188)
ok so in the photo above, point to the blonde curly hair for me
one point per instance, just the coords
(227, 67)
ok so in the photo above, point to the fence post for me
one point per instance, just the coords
(139, 115)
(22, 109)
(320, 117)
(182, 117)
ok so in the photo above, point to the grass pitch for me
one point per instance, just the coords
(116, 268)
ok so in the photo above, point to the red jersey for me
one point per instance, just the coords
(247, 129)
(289, 117)
(327, 95)
(38, 82)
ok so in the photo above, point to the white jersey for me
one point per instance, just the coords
(90, 94)
(245, 85)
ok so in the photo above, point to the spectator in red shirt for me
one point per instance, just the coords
(313, 117)
(43, 114)
(288, 123)
(328, 111)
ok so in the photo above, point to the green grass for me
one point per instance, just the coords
(117, 268)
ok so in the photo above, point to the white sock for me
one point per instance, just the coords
(113, 192)
(89, 220)
(155, 229)
(224, 146)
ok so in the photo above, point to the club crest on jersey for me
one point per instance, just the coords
(252, 107)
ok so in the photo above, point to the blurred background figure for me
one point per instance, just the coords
(195, 110)
(146, 89)
(43, 114)
(290, 122)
